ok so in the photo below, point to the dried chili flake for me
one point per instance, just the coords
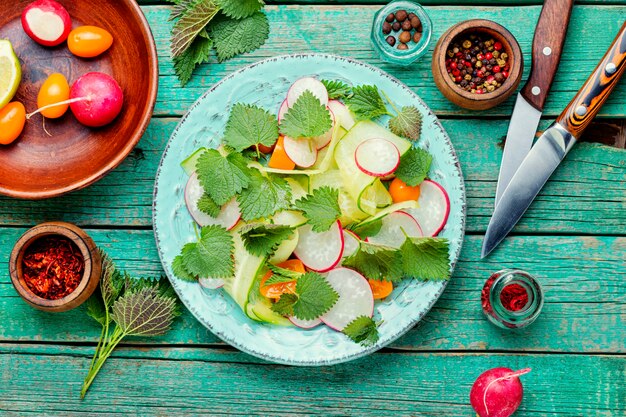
(514, 297)
(53, 267)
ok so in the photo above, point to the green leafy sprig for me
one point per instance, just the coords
(313, 297)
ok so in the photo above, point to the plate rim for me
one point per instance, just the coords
(367, 350)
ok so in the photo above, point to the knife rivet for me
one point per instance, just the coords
(547, 51)
(535, 90)
(581, 110)
(610, 68)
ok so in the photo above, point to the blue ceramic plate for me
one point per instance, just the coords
(265, 84)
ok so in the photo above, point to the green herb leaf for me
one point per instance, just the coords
(111, 281)
(414, 166)
(250, 125)
(337, 89)
(233, 37)
(190, 24)
(211, 256)
(208, 206)
(315, 296)
(308, 117)
(264, 196)
(407, 123)
(95, 308)
(264, 239)
(366, 102)
(222, 177)
(285, 304)
(179, 8)
(426, 258)
(280, 275)
(377, 262)
(362, 330)
(238, 9)
(198, 53)
(321, 208)
(367, 228)
(178, 267)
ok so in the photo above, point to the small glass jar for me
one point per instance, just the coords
(391, 53)
(512, 299)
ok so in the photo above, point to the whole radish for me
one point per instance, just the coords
(497, 392)
(96, 99)
(46, 22)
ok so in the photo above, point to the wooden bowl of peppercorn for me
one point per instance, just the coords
(477, 64)
(55, 266)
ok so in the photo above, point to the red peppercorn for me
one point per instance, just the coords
(506, 67)
(480, 74)
(468, 64)
(456, 72)
(488, 55)
(453, 65)
(458, 79)
(497, 46)
(496, 68)
(480, 57)
(448, 61)
(459, 54)
(506, 74)
(490, 78)
(479, 91)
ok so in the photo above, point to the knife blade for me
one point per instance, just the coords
(546, 54)
(552, 146)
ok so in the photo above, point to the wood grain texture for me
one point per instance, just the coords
(587, 314)
(550, 33)
(177, 382)
(345, 31)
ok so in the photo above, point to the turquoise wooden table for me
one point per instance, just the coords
(573, 238)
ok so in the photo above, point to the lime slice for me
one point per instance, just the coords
(10, 72)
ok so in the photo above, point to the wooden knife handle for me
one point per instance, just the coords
(588, 101)
(547, 46)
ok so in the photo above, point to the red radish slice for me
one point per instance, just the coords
(211, 283)
(320, 251)
(322, 141)
(46, 22)
(307, 83)
(395, 225)
(355, 298)
(301, 151)
(282, 110)
(350, 243)
(343, 115)
(228, 217)
(305, 324)
(433, 208)
(377, 157)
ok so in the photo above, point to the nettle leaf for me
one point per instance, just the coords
(179, 269)
(280, 275)
(208, 206)
(222, 176)
(190, 24)
(249, 125)
(211, 256)
(264, 196)
(198, 53)
(366, 102)
(407, 123)
(366, 229)
(362, 330)
(308, 117)
(238, 9)
(315, 296)
(264, 239)
(285, 304)
(337, 89)
(179, 8)
(111, 281)
(426, 258)
(238, 36)
(321, 208)
(145, 312)
(377, 262)
(95, 308)
(414, 166)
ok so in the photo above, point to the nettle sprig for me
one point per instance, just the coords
(126, 306)
(231, 27)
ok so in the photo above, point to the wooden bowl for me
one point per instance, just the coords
(39, 166)
(468, 99)
(91, 274)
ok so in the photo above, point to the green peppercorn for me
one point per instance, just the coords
(479, 64)
(467, 44)
(496, 54)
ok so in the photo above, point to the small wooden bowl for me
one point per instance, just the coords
(38, 166)
(467, 99)
(91, 274)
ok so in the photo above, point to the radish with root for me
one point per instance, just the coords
(497, 392)
(46, 22)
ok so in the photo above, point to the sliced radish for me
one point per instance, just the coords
(322, 141)
(350, 243)
(307, 83)
(46, 22)
(282, 110)
(377, 157)
(301, 151)
(395, 226)
(433, 208)
(305, 324)
(355, 298)
(211, 283)
(342, 114)
(320, 251)
(229, 214)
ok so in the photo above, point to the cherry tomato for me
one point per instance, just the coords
(401, 192)
(12, 119)
(276, 290)
(279, 158)
(54, 90)
(380, 289)
(89, 41)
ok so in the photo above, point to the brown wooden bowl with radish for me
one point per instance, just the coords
(88, 88)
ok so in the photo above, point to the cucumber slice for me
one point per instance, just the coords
(392, 208)
(189, 164)
(289, 218)
(262, 310)
(285, 249)
(297, 190)
(349, 210)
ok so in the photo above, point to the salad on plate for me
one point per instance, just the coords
(308, 217)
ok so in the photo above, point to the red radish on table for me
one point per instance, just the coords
(433, 208)
(396, 227)
(307, 84)
(46, 22)
(320, 251)
(497, 392)
(355, 298)
(96, 99)
(229, 214)
(303, 152)
(377, 157)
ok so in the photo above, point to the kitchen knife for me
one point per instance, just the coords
(546, 54)
(555, 143)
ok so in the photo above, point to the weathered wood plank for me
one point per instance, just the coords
(423, 2)
(586, 195)
(345, 31)
(214, 382)
(585, 306)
